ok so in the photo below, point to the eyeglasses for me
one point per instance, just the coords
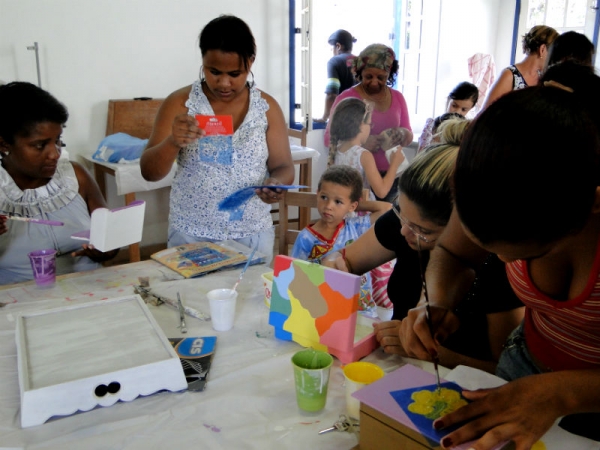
(410, 226)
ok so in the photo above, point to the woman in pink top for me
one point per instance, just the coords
(375, 68)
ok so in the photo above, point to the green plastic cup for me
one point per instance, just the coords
(311, 374)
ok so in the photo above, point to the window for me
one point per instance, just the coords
(311, 24)
(562, 15)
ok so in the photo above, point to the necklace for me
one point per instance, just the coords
(380, 104)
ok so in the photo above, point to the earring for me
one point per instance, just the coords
(250, 83)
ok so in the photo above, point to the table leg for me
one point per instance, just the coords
(100, 179)
(134, 249)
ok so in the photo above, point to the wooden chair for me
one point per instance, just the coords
(298, 134)
(300, 199)
(136, 118)
(304, 178)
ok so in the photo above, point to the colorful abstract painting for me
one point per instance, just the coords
(314, 305)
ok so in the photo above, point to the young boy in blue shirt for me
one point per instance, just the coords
(338, 197)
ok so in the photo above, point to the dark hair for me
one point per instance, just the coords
(568, 73)
(346, 176)
(446, 116)
(342, 37)
(537, 187)
(465, 91)
(345, 123)
(571, 46)
(23, 105)
(538, 36)
(229, 34)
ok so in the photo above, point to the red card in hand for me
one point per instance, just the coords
(216, 125)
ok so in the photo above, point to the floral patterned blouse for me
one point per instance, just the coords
(216, 166)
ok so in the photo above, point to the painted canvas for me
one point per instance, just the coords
(424, 404)
(407, 396)
(317, 307)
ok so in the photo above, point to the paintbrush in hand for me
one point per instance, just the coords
(436, 358)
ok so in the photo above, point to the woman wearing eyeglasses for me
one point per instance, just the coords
(418, 218)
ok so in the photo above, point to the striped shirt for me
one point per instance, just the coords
(560, 334)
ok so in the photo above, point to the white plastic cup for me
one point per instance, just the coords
(222, 308)
(384, 314)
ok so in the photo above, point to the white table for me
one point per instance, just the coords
(249, 401)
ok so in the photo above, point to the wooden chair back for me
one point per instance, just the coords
(287, 237)
(298, 134)
(134, 117)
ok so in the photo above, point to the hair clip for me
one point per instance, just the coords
(555, 84)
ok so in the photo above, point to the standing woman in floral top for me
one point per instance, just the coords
(209, 168)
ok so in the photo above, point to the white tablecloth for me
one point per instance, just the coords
(249, 401)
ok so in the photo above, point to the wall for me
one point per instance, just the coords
(468, 27)
(95, 50)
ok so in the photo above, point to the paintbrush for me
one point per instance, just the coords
(182, 324)
(53, 223)
(436, 358)
(245, 268)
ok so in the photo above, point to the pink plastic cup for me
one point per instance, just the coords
(43, 263)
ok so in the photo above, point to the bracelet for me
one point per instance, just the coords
(348, 265)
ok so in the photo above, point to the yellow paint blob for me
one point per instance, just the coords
(539, 445)
(437, 403)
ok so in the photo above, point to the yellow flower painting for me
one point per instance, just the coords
(437, 403)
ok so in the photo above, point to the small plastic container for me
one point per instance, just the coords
(267, 279)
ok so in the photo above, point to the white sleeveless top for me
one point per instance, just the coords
(351, 157)
(58, 200)
(216, 166)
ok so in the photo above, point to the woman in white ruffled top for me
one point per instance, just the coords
(36, 183)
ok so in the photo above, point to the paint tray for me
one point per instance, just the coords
(317, 306)
(78, 357)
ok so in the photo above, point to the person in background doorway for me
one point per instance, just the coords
(339, 74)
(528, 72)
